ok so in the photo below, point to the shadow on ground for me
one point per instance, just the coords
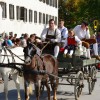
(12, 95)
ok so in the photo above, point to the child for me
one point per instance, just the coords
(71, 43)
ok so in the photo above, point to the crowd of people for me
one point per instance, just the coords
(59, 37)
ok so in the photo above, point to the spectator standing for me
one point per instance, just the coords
(14, 38)
(24, 40)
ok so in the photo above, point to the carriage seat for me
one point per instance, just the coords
(79, 51)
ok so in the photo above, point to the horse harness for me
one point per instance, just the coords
(37, 63)
(6, 55)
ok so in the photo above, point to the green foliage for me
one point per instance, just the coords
(74, 11)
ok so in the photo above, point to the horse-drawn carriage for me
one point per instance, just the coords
(77, 69)
(74, 70)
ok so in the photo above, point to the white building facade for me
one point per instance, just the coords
(27, 16)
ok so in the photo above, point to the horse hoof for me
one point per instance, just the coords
(1, 81)
(19, 98)
(54, 98)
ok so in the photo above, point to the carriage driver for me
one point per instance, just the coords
(52, 34)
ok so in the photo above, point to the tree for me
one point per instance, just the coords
(74, 11)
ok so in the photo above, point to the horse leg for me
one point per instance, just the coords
(17, 83)
(37, 89)
(26, 87)
(54, 85)
(5, 77)
(48, 89)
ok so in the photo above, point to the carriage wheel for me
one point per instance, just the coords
(92, 79)
(78, 84)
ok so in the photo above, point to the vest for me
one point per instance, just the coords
(51, 36)
(62, 33)
(71, 41)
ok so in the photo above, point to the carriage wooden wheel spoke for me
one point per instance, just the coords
(78, 84)
(92, 79)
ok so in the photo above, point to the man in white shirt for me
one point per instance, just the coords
(63, 30)
(24, 40)
(83, 33)
(52, 34)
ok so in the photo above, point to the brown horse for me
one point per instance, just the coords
(37, 63)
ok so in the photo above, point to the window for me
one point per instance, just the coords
(47, 2)
(56, 20)
(43, 18)
(51, 2)
(18, 12)
(46, 18)
(49, 17)
(35, 16)
(23, 14)
(4, 10)
(30, 15)
(40, 0)
(43, 1)
(52, 17)
(56, 3)
(40, 17)
(11, 11)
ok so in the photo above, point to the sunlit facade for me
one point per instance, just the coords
(27, 16)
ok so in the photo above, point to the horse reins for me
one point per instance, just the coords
(39, 48)
(15, 54)
(45, 46)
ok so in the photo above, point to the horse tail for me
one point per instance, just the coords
(30, 89)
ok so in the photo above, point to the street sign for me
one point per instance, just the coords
(95, 22)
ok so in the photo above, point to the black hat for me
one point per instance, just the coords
(85, 23)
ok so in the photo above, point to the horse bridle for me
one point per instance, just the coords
(14, 54)
(5, 55)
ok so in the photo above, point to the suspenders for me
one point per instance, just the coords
(51, 36)
(62, 33)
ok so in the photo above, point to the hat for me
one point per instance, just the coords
(85, 23)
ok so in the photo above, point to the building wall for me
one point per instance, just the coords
(19, 26)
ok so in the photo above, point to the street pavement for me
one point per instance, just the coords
(65, 92)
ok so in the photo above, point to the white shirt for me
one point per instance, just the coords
(76, 39)
(81, 33)
(51, 32)
(64, 32)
